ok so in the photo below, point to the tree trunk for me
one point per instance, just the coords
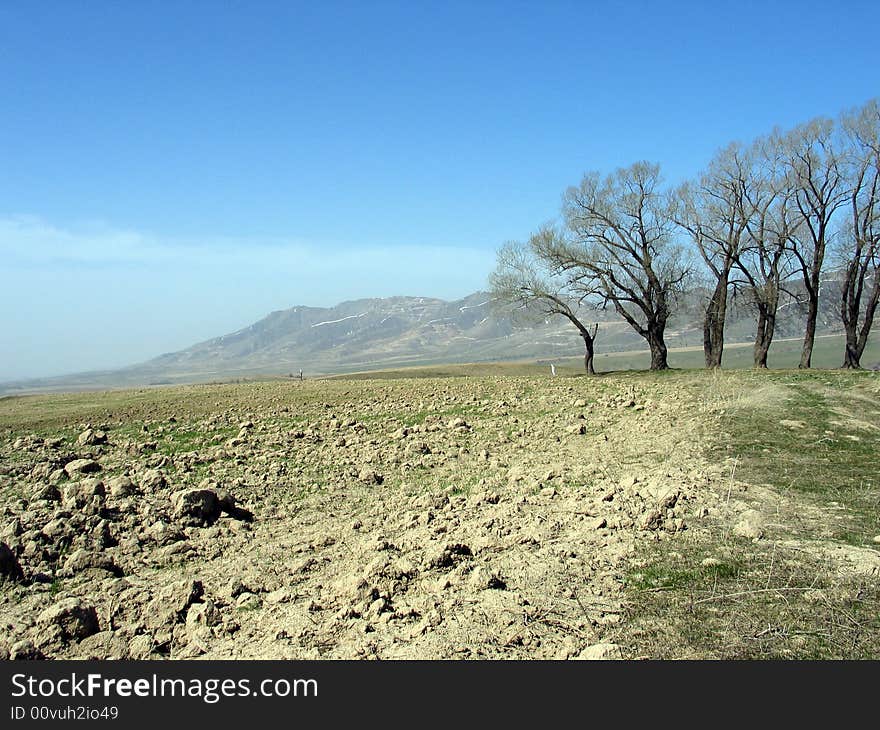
(851, 355)
(713, 324)
(870, 312)
(849, 315)
(658, 348)
(764, 337)
(849, 311)
(810, 332)
(761, 348)
(588, 356)
(856, 339)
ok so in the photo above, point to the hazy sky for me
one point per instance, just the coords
(174, 171)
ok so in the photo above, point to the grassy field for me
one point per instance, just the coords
(812, 441)
(785, 354)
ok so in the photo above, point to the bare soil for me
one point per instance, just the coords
(429, 518)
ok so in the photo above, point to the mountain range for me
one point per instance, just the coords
(369, 334)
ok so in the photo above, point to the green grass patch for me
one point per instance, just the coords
(757, 602)
(663, 575)
(813, 438)
(822, 443)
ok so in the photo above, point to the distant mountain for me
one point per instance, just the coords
(368, 334)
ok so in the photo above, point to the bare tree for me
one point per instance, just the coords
(764, 260)
(618, 244)
(712, 212)
(860, 252)
(817, 180)
(528, 282)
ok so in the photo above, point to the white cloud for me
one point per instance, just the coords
(92, 296)
(30, 240)
(27, 241)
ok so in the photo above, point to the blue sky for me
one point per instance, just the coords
(174, 171)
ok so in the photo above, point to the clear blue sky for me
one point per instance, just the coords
(174, 171)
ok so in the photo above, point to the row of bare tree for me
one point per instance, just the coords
(762, 219)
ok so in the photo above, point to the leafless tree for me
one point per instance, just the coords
(860, 246)
(817, 181)
(530, 284)
(712, 212)
(764, 261)
(618, 244)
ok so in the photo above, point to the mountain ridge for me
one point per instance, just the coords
(375, 333)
